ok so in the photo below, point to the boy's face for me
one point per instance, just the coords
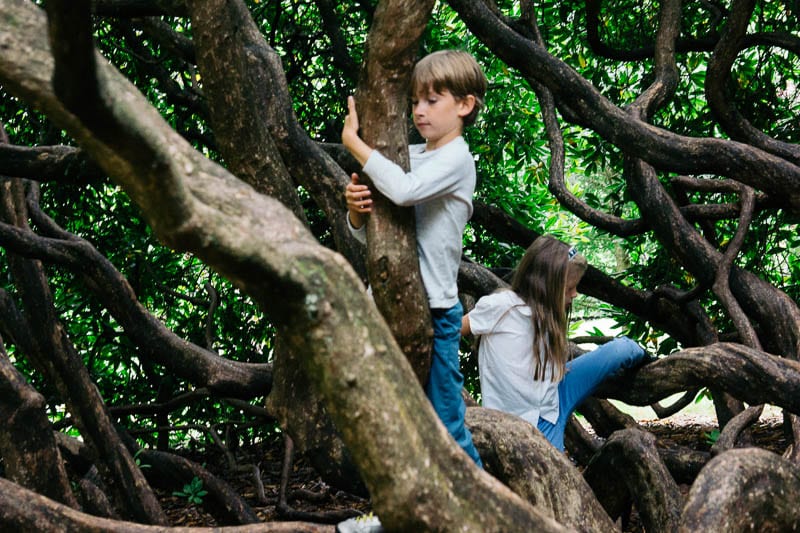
(438, 116)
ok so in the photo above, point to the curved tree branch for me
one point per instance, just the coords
(718, 80)
(24, 510)
(51, 351)
(628, 467)
(199, 366)
(750, 375)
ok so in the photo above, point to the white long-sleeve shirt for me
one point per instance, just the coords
(440, 187)
(506, 359)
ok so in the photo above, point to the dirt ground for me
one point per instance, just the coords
(310, 499)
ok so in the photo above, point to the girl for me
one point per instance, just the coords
(523, 352)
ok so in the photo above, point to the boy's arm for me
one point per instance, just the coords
(441, 174)
(350, 139)
(400, 187)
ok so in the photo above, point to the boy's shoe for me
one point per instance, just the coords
(360, 524)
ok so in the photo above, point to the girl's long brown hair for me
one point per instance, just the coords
(540, 280)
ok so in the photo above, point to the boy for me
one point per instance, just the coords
(447, 90)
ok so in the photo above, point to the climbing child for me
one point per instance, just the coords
(523, 355)
(447, 92)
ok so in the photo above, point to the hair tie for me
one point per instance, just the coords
(572, 253)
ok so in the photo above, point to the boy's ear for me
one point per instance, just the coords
(466, 105)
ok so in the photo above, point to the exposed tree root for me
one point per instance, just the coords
(628, 468)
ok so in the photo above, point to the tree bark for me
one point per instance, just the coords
(628, 468)
(750, 375)
(744, 490)
(23, 510)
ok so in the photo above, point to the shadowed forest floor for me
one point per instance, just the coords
(310, 499)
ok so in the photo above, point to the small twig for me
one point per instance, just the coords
(288, 458)
(261, 495)
(680, 403)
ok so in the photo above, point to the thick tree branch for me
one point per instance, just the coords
(518, 454)
(750, 375)
(226, 36)
(263, 141)
(382, 98)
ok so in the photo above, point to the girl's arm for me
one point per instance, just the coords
(465, 328)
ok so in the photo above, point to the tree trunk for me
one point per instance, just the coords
(382, 100)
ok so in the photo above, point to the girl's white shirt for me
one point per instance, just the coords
(506, 359)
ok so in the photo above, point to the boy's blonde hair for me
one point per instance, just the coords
(452, 70)
(540, 280)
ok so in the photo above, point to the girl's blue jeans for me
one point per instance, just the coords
(584, 375)
(446, 381)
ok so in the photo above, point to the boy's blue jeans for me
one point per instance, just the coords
(446, 381)
(584, 375)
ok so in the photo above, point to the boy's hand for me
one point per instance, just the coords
(358, 196)
(350, 139)
(350, 121)
(359, 201)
